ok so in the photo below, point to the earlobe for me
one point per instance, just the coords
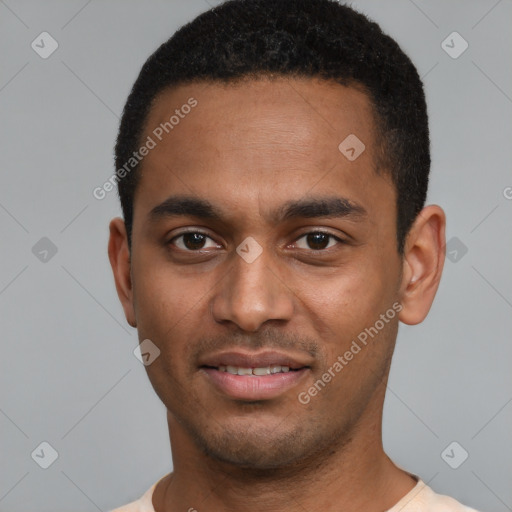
(119, 256)
(422, 264)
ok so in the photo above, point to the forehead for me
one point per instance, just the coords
(278, 139)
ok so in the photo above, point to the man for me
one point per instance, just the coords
(273, 162)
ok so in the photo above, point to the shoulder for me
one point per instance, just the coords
(423, 499)
(143, 504)
(134, 506)
(442, 503)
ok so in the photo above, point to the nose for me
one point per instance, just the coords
(252, 294)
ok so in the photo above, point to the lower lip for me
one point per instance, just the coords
(255, 387)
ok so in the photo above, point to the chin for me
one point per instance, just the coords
(260, 448)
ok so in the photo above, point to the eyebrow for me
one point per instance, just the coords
(329, 207)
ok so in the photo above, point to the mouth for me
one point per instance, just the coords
(254, 376)
(258, 372)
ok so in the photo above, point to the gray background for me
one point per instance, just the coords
(67, 372)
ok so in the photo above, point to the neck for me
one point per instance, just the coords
(354, 475)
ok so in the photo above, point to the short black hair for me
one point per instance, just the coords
(295, 38)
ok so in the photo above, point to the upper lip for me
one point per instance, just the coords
(252, 360)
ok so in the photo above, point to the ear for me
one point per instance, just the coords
(423, 262)
(119, 256)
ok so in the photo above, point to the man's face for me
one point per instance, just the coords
(252, 151)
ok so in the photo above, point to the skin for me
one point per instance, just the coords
(249, 148)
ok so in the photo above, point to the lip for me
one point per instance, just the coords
(254, 387)
(254, 360)
(247, 387)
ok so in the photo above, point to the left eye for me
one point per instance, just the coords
(193, 241)
(318, 240)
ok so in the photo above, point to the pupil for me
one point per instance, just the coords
(318, 240)
(193, 240)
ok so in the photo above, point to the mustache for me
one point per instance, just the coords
(268, 339)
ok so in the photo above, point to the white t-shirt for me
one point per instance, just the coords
(420, 498)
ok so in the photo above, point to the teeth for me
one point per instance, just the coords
(261, 371)
(267, 370)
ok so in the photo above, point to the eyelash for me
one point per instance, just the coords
(330, 235)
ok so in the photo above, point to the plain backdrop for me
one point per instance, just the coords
(68, 375)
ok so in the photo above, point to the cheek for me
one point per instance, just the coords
(163, 300)
(343, 305)
(346, 296)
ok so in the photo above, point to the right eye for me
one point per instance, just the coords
(192, 241)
